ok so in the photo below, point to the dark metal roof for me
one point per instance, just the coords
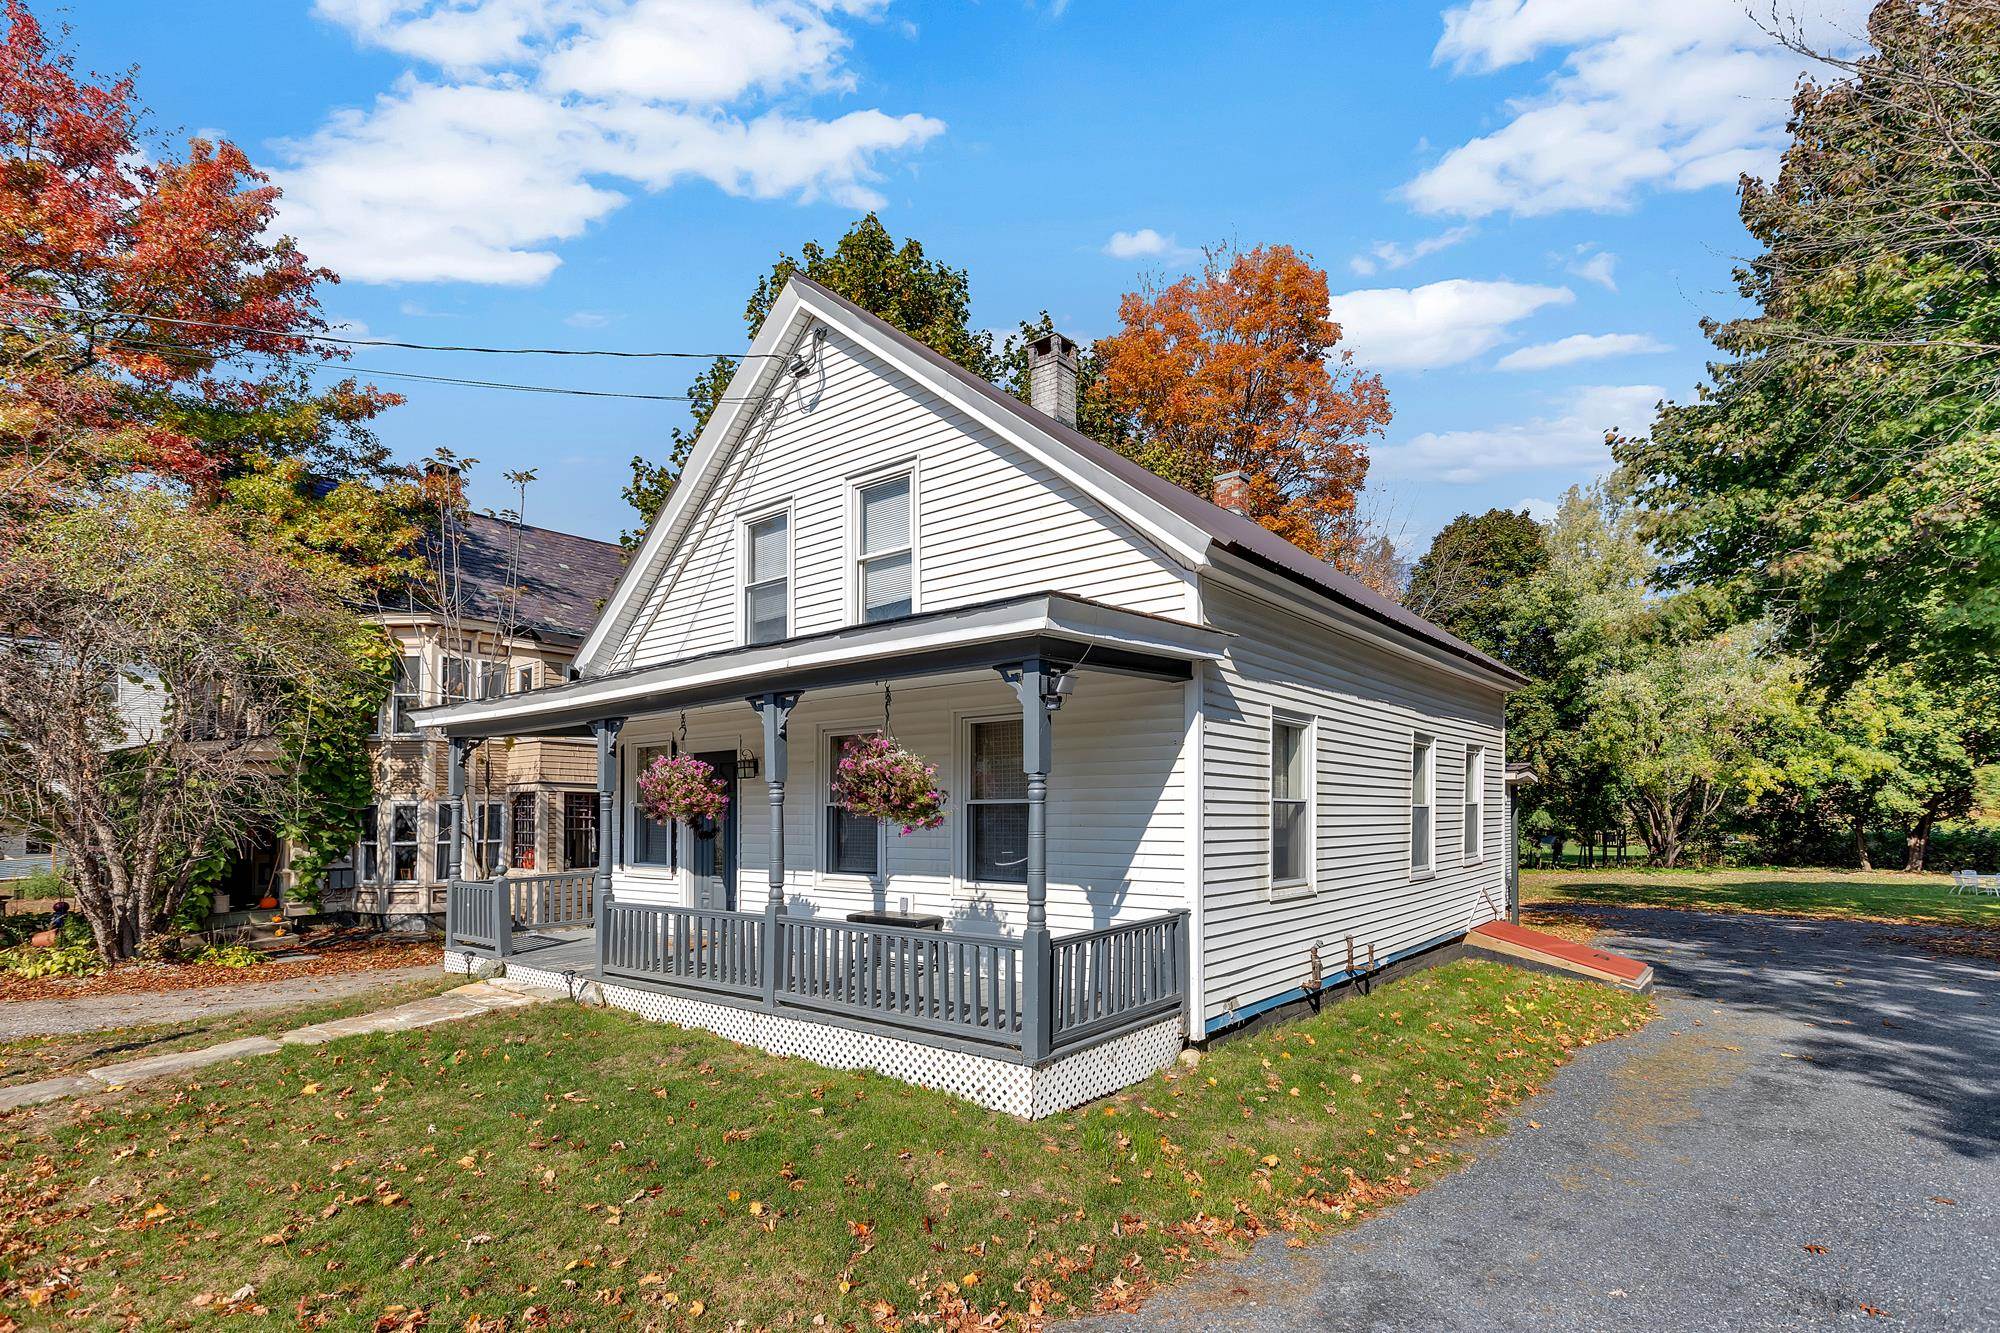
(563, 579)
(1231, 531)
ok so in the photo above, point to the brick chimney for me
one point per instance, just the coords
(1052, 377)
(1232, 492)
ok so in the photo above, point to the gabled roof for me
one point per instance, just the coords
(562, 583)
(1188, 527)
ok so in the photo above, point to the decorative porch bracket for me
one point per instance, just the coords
(606, 731)
(1035, 683)
(775, 708)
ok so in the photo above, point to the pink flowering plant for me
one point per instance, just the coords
(681, 789)
(878, 778)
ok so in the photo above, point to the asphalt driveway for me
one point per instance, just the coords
(1809, 1135)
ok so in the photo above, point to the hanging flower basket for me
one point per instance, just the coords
(876, 777)
(681, 790)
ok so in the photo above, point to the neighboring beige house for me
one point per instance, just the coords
(531, 804)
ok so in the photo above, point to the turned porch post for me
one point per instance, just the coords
(460, 747)
(776, 710)
(1034, 682)
(606, 731)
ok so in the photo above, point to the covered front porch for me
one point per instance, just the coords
(956, 956)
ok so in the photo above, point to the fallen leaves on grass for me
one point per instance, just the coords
(345, 953)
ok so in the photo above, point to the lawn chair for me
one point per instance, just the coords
(1964, 881)
(1993, 886)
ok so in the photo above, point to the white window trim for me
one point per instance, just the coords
(1430, 744)
(1475, 794)
(744, 523)
(1308, 886)
(851, 542)
(964, 888)
(823, 752)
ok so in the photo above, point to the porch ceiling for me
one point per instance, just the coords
(1064, 630)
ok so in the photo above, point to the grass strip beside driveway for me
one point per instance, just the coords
(1887, 896)
(570, 1167)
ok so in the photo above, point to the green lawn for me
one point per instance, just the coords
(32, 1058)
(562, 1166)
(1882, 895)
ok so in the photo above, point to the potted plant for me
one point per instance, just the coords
(878, 778)
(681, 789)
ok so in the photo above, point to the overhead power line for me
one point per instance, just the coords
(382, 342)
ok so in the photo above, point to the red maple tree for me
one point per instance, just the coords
(149, 320)
(1238, 368)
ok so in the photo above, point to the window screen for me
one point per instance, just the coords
(996, 824)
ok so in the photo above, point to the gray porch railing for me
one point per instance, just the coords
(715, 951)
(977, 991)
(473, 917)
(1112, 978)
(563, 900)
(967, 986)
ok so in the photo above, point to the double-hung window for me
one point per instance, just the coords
(1474, 844)
(488, 842)
(521, 839)
(653, 843)
(525, 680)
(404, 697)
(403, 842)
(1291, 804)
(441, 854)
(368, 856)
(1423, 788)
(853, 842)
(996, 806)
(492, 679)
(767, 579)
(883, 573)
(457, 679)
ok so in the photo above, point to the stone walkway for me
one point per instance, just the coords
(482, 997)
(89, 1013)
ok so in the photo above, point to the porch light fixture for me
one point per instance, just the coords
(1056, 687)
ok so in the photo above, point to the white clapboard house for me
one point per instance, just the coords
(1195, 775)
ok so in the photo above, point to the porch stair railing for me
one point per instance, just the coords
(981, 992)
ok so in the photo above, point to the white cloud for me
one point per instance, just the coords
(1439, 324)
(1570, 436)
(586, 319)
(549, 112)
(1542, 511)
(1594, 265)
(1579, 347)
(1671, 96)
(1144, 243)
(1392, 255)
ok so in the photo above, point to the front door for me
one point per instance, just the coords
(712, 857)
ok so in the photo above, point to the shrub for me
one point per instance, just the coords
(65, 960)
(226, 955)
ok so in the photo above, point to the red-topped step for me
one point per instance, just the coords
(1535, 946)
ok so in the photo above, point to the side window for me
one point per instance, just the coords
(1291, 803)
(521, 840)
(853, 842)
(525, 680)
(457, 679)
(996, 806)
(403, 841)
(1474, 843)
(767, 582)
(654, 843)
(368, 855)
(441, 854)
(1422, 794)
(883, 576)
(404, 698)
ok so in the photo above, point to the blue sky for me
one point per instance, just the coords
(1525, 207)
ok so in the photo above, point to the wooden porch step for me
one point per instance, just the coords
(1551, 951)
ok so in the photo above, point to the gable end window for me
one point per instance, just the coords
(1474, 843)
(884, 579)
(1291, 803)
(1422, 801)
(767, 581)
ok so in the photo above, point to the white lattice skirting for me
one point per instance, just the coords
(999, 1085)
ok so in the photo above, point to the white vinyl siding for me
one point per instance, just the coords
(991, 521)
(1366, 703)
(1117, 805)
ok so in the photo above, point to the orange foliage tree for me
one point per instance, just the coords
(1238, 368)
(149, 321)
